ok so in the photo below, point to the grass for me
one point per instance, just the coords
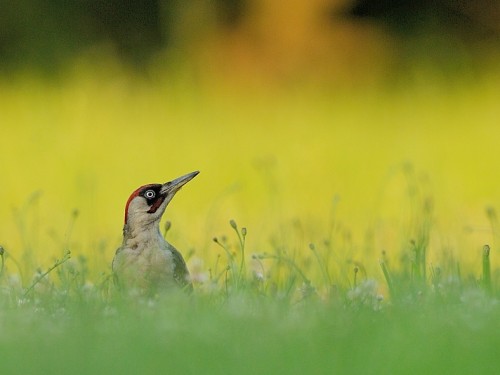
(360, 242)
(238, 322)
(245, 337)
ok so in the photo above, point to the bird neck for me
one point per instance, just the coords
(137, 235)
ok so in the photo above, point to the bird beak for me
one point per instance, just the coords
(173, 186)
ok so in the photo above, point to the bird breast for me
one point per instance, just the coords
(144, 263)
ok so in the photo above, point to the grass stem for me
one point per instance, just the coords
(66, 257)
(486, 269)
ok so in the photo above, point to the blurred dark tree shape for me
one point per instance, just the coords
(469, 20)
(44, 34)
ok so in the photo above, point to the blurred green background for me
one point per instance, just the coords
(323, 38)
(309, 120)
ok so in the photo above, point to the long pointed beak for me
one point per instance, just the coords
(173, 186)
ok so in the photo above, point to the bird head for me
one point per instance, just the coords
(147, 204)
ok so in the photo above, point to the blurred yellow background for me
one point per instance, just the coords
(300, 128)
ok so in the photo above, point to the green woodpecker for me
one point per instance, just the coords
(146, 262)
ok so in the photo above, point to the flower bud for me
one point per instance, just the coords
(233, 224)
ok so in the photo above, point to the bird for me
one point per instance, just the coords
(145, 262)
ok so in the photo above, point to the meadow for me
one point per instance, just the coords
(365, 212)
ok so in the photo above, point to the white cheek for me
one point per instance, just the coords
(138, 215)
(137, 209)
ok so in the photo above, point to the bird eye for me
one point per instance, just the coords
(149, 194)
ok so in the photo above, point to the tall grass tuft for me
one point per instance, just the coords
(2, 266)
(387, 275)
(42, 275)
(235, 271)
(486, 269)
